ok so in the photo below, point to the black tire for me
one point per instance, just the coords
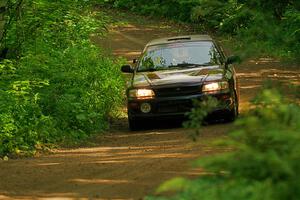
(135, 124)
(233, 114)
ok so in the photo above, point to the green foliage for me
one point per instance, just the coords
(266, 160)
(167, 8)
(291, 35)
(175, 184)
(55, 85)
(198, 114)
(58, 24)
(22, 123)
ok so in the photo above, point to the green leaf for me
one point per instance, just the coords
(81, 117)
(175, 184)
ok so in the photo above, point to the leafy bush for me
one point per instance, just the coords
(167, 8)
(291, 35)
(84, 87)
(199, 114)
(55, 85)
(23, 126)
(265, 163)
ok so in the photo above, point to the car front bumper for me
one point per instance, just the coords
(170, 107)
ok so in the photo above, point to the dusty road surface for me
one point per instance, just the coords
(124, 164)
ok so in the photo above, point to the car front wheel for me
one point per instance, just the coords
(235, 110)
(135, 123)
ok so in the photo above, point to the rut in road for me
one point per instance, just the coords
(123, 164)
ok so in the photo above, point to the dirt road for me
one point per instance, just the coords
(123, 164)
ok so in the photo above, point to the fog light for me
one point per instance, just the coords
(145, 107)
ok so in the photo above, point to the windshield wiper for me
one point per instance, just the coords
(189, 65)
(152, 69)
(180, 66)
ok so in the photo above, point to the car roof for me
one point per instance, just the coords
(182, 38)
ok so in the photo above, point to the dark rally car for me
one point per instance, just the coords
(171, 72)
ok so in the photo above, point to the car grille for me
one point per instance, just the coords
(174, 106)
(177, 91)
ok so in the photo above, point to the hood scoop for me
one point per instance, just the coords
(179, 38)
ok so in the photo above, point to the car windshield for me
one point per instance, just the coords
(179, 55)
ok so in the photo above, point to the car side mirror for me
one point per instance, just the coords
(232, 59)
(127, 69)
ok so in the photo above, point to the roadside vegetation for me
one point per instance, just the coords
(55, 85)
(256, 28)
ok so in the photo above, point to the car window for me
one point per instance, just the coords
(181, 55)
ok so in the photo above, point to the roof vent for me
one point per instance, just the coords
(179, 38)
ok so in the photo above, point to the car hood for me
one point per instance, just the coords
(176, 77)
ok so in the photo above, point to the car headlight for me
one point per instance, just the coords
(141, 93)
(215, 87)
